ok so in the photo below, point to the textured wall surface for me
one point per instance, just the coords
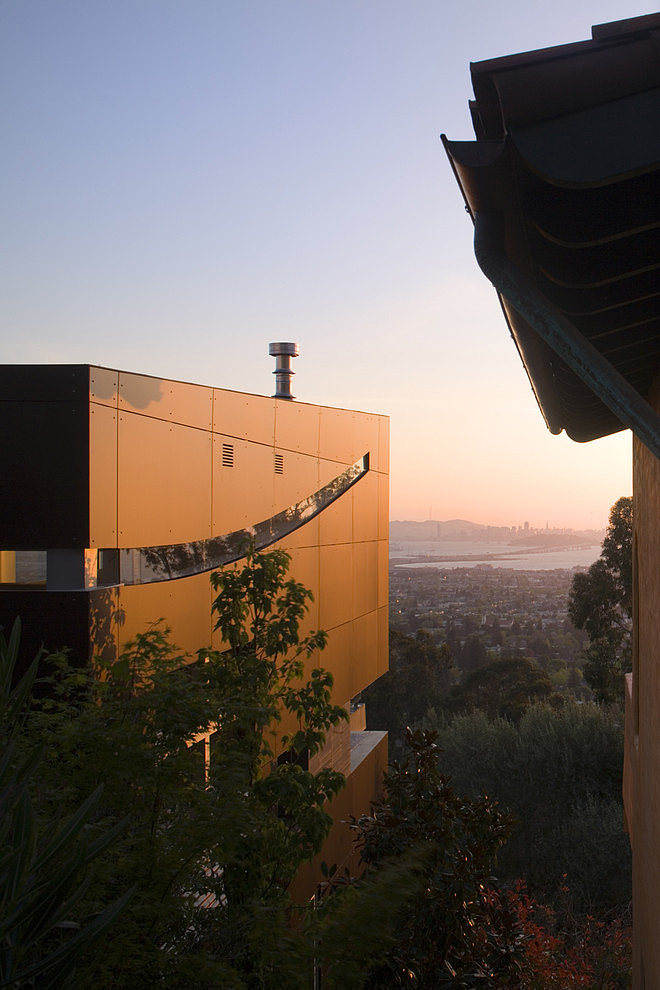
(643, 719)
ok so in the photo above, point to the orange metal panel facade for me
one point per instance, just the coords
(173, 465)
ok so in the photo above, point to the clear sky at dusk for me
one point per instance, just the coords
(183, 181)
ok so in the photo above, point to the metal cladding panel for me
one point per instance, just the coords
(364, 653)
(363, 788)
(337, 657)
(143, 394)
(305, 569)
(103, 462)
(243, 480)
(383, 573)
(249, 417)
(51, 620)
(383, 506)
(164, 482)
(297, 426)
(173, 402)
(305, 537)
(44, 479)
(105, 620)
(383, 639)
(294, 477)
(366, 508)
(104, 386)
(365, 431)
(336, 585)
(383, 463)
(336, 522)
(337, 442)
(346, 435)
(165, 463)
(329, 469)
(365, 577)
(184, 605)
(44, 382)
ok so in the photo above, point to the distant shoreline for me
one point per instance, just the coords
(467, 553)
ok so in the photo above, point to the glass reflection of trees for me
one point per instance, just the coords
(147, 565)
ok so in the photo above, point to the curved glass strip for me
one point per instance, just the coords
(147, 565)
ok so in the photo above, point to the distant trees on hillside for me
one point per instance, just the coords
(419, 678)
(600, 602)
(558, 772)
(502, 689)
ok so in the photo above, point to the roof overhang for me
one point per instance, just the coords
(563, 184)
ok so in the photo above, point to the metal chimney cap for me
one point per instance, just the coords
(283, 348)
(283, 352)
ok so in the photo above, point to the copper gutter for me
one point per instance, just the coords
(561, 335)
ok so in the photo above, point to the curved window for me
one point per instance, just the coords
(147, 565)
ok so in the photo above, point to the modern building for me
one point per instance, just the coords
(563, 187)
(119, 493)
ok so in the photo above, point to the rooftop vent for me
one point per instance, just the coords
(283, 352)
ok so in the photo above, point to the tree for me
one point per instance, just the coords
(502, 689)
(473, 654)
(418, 679)
(559, 774)
(450, 930)
(43, 872)
(210, 849)
(600, 602)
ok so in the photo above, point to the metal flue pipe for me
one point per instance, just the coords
(283, 352)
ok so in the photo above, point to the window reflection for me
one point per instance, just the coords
(23, 567)
(147, 565)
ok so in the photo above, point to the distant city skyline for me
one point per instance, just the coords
(479, 526)
(183, 183)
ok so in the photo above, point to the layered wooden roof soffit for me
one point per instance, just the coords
(563, 186)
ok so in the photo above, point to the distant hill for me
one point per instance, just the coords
(450, 529)
(463, 529)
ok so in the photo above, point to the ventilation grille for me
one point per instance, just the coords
(227, 455)
(279, 463)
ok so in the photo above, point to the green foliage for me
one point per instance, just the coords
(355, 926)
(258, 614)
(600, 602)
(502, 689)
(446, 931)
(418, 678)
(473, 654)
(559, 774)
(211, 850)
(44, 872)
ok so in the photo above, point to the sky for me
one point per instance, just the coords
(184, 181)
